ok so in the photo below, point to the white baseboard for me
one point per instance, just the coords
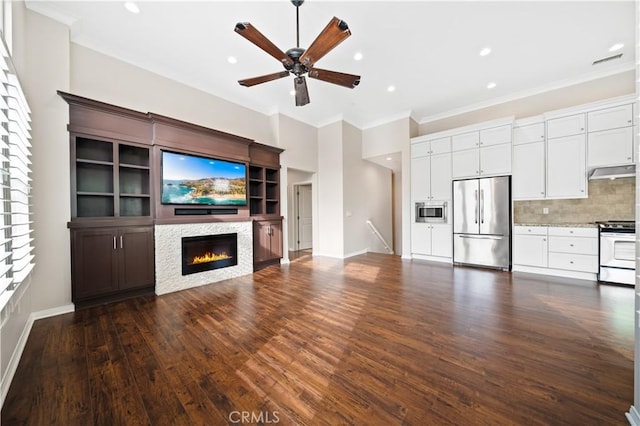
(555, 272)
(53, 312)
(433, 258)
(355, 253)
(633, 416)
(12, 366)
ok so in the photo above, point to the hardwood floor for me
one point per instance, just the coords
(371, 340)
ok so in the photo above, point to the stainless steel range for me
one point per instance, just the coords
(617, 252)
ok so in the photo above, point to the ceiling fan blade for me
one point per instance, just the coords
(248, 82)
(339, 78)
(249, 32)
(332, 35)
(302, 94)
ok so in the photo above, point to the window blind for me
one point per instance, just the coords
(16, 240)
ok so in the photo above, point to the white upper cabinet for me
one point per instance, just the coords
(440, 146)
(528, 134)
(610, 147)
(495, 159)
(465, 141)
(528, 171)
(420, 178)
(495, 135)
(420, 149)
(465, 163)
(566, 126)
(566, 167)
(440, 177)
(610, 118)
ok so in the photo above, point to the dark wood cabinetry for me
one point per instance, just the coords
(107, 263)
(267, 242)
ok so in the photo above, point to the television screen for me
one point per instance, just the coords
(190, 179)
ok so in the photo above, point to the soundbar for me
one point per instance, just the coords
(204, 212)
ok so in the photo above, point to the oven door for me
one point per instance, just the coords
(618, 250)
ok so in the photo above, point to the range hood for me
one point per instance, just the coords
(613, 172)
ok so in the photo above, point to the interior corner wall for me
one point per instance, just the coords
(107, 79)
(367, 196)
(330, 220)
(45, 58)
(384, 139)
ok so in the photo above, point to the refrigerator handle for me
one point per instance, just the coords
(482, 206)
(476, 209)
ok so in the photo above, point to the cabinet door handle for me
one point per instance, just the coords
(114, 243)
(121, 245)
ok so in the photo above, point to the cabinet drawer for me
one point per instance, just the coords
(465, 141)
(610, 118)
(573, 262)
(529, 133)
(575, 245)
(440, 146)
(496, 135)
(566, 126)
(530, 230)
(563, 231)
(420, 149)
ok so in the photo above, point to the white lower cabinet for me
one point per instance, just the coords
(556, 250)
(429, 239)
(530, 246)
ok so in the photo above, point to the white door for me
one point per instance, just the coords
(566, 167)
(528, 171)
(441, 177)
(305, 217)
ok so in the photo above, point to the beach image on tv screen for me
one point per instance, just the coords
(187, 179)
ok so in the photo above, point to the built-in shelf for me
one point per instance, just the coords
(264, 190)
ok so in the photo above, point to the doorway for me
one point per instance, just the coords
(303, 217)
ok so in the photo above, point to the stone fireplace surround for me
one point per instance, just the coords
(168, 254)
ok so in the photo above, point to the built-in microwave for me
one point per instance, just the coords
(433, 212)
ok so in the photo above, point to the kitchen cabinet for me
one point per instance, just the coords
(431, 170)
(573, 249)
(495, 135)
(429, 239)
(108, 261)
(566, 167)
(528, 133)
(530, 246)
(465, 141)
(566, 126)
(267, 242)
(610, 147)
(610, 118)
(483, 161)
(528, 182)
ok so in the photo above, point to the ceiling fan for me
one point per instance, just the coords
(299, 61)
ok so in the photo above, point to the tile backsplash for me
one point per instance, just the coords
(608, 200)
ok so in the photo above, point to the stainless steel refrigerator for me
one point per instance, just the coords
(482, 222)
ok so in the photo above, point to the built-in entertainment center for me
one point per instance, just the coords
(145, 186)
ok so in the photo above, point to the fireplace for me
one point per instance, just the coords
(208, 252)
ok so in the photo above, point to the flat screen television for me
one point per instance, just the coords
(195, 180)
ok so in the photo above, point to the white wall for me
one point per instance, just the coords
(329, 189)
(104, 78)
(367, 195)
(385, 139)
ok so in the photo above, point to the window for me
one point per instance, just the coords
(16, 241)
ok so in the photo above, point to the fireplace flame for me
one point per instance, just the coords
(209, 257)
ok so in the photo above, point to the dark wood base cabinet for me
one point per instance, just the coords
(111, 263)
(267, 243)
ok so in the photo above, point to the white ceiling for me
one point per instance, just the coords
(428, 50)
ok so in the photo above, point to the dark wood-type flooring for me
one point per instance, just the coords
(372, 340)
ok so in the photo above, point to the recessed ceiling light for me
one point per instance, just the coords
(485, 51)
(358, 56)
(232, 60)
(491, 85)
(391, 89)
(131, 7)
(292, 92)
(615, 47)
(389, 158)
